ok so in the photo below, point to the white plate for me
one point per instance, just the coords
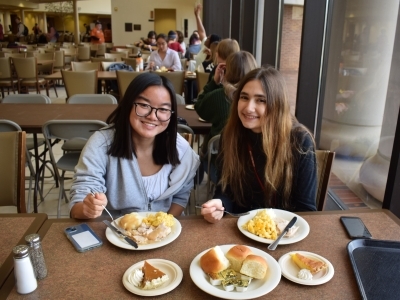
(114, 239)
(170, 268)
(301, 233)
(290, 269)
(202, 120)
(257, 287)
(191, 106)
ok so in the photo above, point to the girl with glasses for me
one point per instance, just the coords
(139, 162)
(164, 56)
(267, 157)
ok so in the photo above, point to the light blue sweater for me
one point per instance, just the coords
(120, 179)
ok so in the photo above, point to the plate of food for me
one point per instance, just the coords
(264, 225)
(202, 120)
(306, 268)
(190, 106)
(235, 272)
(152, 277)
(149, 230)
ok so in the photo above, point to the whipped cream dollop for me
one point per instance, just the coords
(149, 285)
(136, 277)
(304, 274)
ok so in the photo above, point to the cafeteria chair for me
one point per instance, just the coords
(6, 78)
(101, 50)
(92, 99)
(67, 130)
(83, 53)
(85, 66)
(59, 60)
(177, 79)
(124, 78)
(22, 54)
(109, 47)
(213, 148)
(12, 165)
(118, 56)
(180, 99)
(130, 62)
(324, 165)
(79, 82)
(184, 64)
(10, 126)
(47, 68)
(27, 74)
(101, 59)
(201, 79)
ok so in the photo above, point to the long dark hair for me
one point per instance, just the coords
(164, 151)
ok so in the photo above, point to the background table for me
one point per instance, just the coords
(14, 228)
(97, 274)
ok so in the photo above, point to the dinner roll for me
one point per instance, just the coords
(236, 256)
(214, 261)
(254, 266)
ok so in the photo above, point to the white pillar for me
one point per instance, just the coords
(23, 16)
(44, 23)
(6, 21)
(76, 20)
(259, 31)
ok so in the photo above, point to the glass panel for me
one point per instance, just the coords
(358, 119)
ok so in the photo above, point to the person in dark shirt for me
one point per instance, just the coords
(267, 158)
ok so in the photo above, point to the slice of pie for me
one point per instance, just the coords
(152, 277)
(313, 265)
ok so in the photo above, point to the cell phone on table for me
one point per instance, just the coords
(83, 237)
(355, 228)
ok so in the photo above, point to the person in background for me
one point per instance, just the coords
(52, 36)
(205, 41)
(108, 34)
(36, 30)
(150, 43)
(164, 57)
(225, 48)
(194, 46)
(97, 35)
(208, 66)
(139, 162)
(20, 27)
(266, 157)
(181, 41)
(214, 103)
(172, 43)
(1, 33)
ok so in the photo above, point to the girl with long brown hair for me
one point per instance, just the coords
(267, 157)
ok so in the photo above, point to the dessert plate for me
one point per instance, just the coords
(301, 233)
(175, 232)
(257, 287)
(170, 268)
(290, 269)
(202, 120)
(190, 106)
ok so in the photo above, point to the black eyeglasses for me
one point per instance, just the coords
(143, 110)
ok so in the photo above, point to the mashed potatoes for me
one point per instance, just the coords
(262, 225)
(158, 218)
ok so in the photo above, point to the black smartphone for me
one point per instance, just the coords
(83, 237)
(355, 228)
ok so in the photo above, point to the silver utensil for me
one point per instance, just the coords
(120, 234)
(104, 207)
(229, 213)
(288, 226)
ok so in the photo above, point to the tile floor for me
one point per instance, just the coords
(50, 193)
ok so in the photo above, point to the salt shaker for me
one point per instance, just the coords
(25, 279)
(36, 254)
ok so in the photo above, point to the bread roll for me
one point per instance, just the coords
(254, 266)
(236, 256)
(214, 261)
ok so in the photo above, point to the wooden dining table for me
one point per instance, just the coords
(14, 228)
(31, 117)
(97, 274)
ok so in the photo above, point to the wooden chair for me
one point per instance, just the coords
(201, 79)
(124, 78)
(7, 55)
(101, 50)
(6, 78)
(79, 82)
(177, 79)
(101, 59)
(130, 62)
(83, 53)
(27, 74)
(85, 66)
(324, 165)
(12, 165)
(59, 60)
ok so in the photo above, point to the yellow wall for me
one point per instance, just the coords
(164, 20)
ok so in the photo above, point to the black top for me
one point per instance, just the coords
(304, 184)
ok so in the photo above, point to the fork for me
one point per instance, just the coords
(93, 192)
(229, 213)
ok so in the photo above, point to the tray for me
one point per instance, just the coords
(376, 264)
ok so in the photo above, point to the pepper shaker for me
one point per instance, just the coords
(25, 279)
(36, 254)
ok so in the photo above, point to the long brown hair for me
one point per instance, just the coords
(278, 128)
